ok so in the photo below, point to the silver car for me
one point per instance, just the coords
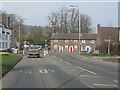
(34, 51)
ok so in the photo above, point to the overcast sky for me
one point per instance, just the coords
(35, 13)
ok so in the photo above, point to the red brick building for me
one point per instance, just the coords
(69, 42)
(88, 42)
(107, 39)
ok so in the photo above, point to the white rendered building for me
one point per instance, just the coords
(5, 37)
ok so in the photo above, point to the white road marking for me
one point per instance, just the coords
(26, 72)
(107, 85)
(51, 70)
(61, 60)
(116, 81)
(43, 71)
(86, 84)
(85, 70)
(20, 71)
(88, 76)
(30, 72)
(67, 63)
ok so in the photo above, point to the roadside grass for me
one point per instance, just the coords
(93, 54)
(105, 57)
(113, 59)
(8, 61)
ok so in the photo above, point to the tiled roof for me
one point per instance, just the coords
(65, 36)
(88, 36)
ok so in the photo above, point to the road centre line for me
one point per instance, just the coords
(43, 71)
(30, 72)
(61, 60)
(67, 63)
(26, 72)
(85, 70)
(88, 76)
(51, 70)
(116, 81)
(107, 85)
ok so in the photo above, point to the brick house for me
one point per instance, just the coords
(107, 39)
(69, 42)
(88, 42)
(65, 42)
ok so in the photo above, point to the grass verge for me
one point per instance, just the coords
(105, 57)
(112, 59)
(8, 61)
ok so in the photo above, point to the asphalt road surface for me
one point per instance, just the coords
(62, 70)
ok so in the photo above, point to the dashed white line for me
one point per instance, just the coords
(20, 71)
(61, 60)
(88, 76)
(107, 85)
(26, 72)
(51, 70)
(85, 70)
(30, 72)
(67, 63)
(116, 81)
(43, 71)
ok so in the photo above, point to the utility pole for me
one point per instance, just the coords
(109, 46)
(79, 31)
(79, 27)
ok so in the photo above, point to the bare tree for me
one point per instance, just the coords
(85, 24)
(68, 20)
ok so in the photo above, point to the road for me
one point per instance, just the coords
(62, 70)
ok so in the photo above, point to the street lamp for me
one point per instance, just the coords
(79, 29)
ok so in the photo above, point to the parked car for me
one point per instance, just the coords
(34, 51)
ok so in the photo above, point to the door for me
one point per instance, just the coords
(71, 49)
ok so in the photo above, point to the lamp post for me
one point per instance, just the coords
(79, 23)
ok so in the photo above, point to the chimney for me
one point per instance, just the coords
(8, 21)
(98, 27)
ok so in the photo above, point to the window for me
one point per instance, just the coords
(0, 36)
(75, 47)
(55, 47)
(55, 41)
(75, 41)
(3, 46)
(3, 36)
(0, 45)
(66, 47)
(66, 41)
(92, 41)
(6, 37)
(82, 48)
(6, 45)
(83, 41)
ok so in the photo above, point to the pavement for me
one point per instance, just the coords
(62, 70)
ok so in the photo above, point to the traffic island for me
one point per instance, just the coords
(8, 62)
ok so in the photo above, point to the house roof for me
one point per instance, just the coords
(88, 36)
(62, 36)
(73, 36)
(108, 32)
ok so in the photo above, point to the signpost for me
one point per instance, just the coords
(46, 49)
